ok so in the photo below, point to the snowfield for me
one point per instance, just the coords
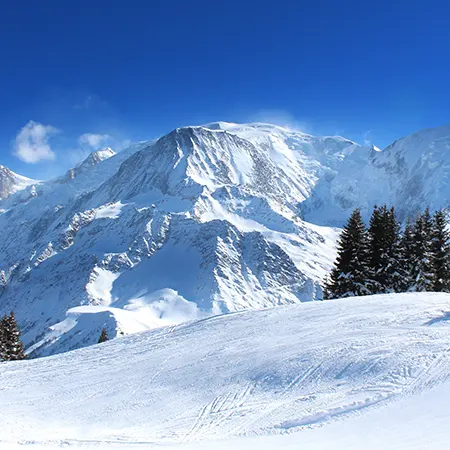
(368, 372)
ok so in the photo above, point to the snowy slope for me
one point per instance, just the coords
(410, 174)
(91, 161)
(417, 168)
(336, 374)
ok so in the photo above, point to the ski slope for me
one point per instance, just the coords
(336, 374)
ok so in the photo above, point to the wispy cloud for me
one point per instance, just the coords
(367, 137)
(95, 141)
(89, 142)
(86, 103)
(280, 117)
(31, 144)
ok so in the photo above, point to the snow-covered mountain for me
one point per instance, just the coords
(368, 372)
(410, 174)
(206, 220)
(11, 182)
(91, 161)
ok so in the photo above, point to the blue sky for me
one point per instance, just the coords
(126, 71)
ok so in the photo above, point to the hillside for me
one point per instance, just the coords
(346, 373)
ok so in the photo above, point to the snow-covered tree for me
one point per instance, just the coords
(384, 262)
(423, 270)
(103, 336)
(440, 252)
(408, 260)
(350, 275)
(12, 346)
(3, 356)
(376, 245)
(395, 272)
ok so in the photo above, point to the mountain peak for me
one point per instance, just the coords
(97, 156)
(6, 170)
(256, 127)
(90, 161)
(11, 182)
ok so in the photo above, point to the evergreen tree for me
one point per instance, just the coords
(440, 252)
(376, 238)
(384, 262)
(325, 288)
(3, 356)
(395, 271)
(103, 336)
(407, 258)
(423, 271)
(13, 346)
(350, 275)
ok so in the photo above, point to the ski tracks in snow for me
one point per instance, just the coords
(285, 397)
(436, 372)
(214, 414)
(233, 407)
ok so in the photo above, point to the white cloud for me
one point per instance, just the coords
(280, 117)
(95, 141)
(31, 145)
(368, 138)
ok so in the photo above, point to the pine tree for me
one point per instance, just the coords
(440, 252)
(3, 356)
(384, 262)
(423, 272)
(11, 339)
(325, 288)
(376, 238)
(350, 275)
(103, 336)
(407, 258)
(395, 271)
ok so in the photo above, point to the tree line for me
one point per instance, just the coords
(382, 258)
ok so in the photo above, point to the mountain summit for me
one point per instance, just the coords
(11, 182)
(410, 174)
(92, 160)
(95, 157)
